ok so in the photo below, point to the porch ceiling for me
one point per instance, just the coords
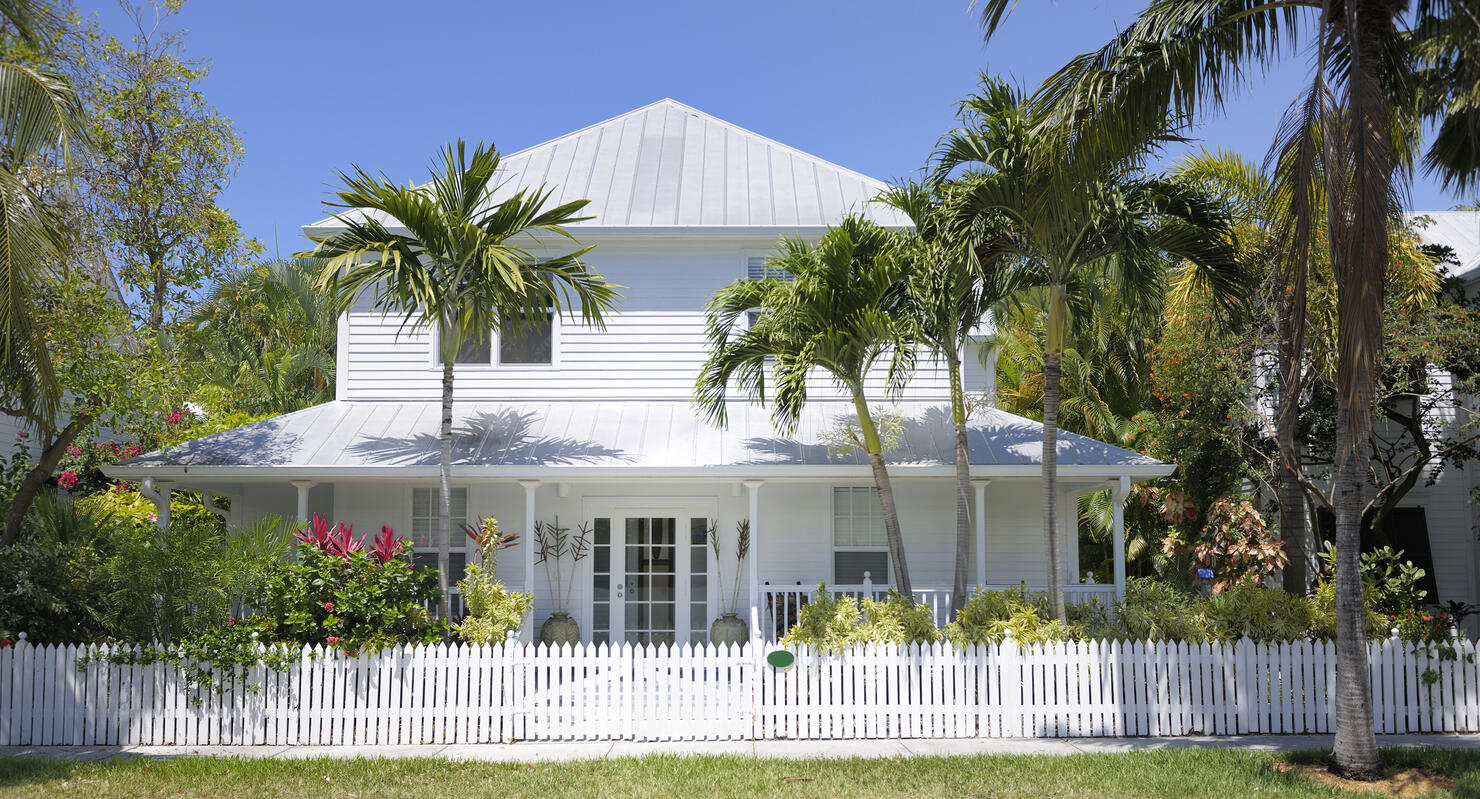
(574, 439)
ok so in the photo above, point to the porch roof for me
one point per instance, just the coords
(612, 439)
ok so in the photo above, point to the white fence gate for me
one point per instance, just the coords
(467, 694)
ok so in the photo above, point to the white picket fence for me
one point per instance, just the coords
(465, 694)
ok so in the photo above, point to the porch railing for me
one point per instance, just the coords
(781, 605)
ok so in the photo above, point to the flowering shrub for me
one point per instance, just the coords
(1422, 625)
(346, 597)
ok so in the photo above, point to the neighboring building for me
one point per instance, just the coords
(1436, 524)
(596, 428)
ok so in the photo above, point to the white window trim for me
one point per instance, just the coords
(879, 581)
(435, 355)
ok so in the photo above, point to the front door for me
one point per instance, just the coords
(650, 576)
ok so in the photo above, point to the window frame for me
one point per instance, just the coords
(884, 580)
(494, 361)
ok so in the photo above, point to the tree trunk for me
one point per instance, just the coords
(31, 484)
(1052, 357)
(1361, 272)
(875, 449)
(963, 491)
(1294, 529)
(158, 297)
(444, 511)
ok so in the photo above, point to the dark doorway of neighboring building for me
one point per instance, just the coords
(1406, 529)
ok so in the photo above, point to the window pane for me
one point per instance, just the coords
(475, 349)
(530, 343)
(421, 502)
(848, 567)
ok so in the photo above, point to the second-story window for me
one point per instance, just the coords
(531, 343)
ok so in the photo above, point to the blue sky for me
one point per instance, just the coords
(316, 86)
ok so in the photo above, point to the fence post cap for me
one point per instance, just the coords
(20, 636)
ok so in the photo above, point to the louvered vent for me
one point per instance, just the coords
(756, 269)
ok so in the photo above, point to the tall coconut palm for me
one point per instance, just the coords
(1379, 68)
(951, 291)
(445, 255)
(842, 312)
(41, 120)
(1066, 223)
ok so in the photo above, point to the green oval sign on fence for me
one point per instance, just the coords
(780, 659)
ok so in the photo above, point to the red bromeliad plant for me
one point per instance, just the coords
(338, 541)
(385, 546)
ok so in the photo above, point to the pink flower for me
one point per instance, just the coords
(329, 606)
(121, 486)
(22, 435)
(174, 417)
(153, 517)
(231, 622)
(332, 640)
(68, 479)
(74, 451)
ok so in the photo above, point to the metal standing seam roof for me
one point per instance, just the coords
(669, 165)
(1459, 230)
(355, 437)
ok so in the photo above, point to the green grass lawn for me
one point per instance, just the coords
(1176, 774)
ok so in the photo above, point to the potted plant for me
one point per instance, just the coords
(560, 552)
(729, 628)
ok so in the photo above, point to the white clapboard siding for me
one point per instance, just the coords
(444, 694)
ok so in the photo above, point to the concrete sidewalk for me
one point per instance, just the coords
(918, 747)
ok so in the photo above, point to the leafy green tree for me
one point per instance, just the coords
(1068, 223)
(844, 312)
(163, 157)
(1380, 71)
(951, 291)
(445, 255)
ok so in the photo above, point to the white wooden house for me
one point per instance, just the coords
(597, 429)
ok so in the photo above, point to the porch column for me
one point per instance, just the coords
(981, 535)
(303, 486)
(159, 492)
(527, 633)
(1117, 496)
(753, 488)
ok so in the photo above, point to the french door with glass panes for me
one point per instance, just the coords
(650, 576)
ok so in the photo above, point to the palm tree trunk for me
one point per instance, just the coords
(444, 511)
(1361, 271)
(963, 490)
(875, 449)
(1052, 357)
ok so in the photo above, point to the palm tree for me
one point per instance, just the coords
(843, 313)
(1350, 137)
(1065, 224)
(270, 333)
(40, 120)
(446, 255)
(951, 291)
